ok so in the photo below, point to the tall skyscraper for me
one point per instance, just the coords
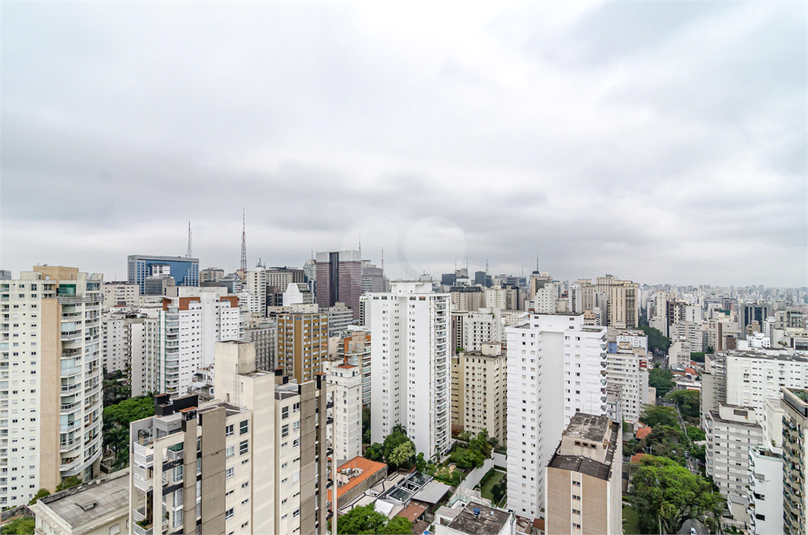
(410, 365)
(185, 271)
(339, 279)
(50, 365)
(556, 368)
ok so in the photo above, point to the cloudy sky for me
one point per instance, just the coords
(660, 142)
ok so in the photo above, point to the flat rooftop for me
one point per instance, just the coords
(368, 468)
(588, 426)
(486, 522)
(85, 503)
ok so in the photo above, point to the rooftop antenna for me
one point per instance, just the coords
(360, 247)
(188, 254)
(243, 241)
(537, 262)
(486, 266)
(382, 261)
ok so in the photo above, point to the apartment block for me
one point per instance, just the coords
(479, 391)
(466, 298)
(584, 479)
(410, 365)
(795, 456)
(624, 307)
(689, 332)
(118, 294)
(345, 386)
(501, 297)
(340, 317)
(263, 332)
(50, 380)
(480, 327)
(628, 367)
(115, 352)
(354, 348)
(302, 343)
(731, 431)
(766, 474)
(556, 368)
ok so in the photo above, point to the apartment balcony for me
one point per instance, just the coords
(69, 445)
(138, 530)
(70, 426)
(142, 478)
(139, 514)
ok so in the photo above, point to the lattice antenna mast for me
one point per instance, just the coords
(244, 241)
(188, 254)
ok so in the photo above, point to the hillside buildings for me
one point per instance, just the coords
(410, 365)
(556, 368)
(584, 478)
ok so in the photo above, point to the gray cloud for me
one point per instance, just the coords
(657, 141)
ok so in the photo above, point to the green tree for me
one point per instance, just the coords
(41, 493)
(397, 525)
(361, 520)
(662, 380)
(402, 455)
(656, 340)
(68, 482)
(688, 401)
(655, 415)
(499, 490)
(695, 434)
(697, 356)
(20, 526)
(375, 452)
(420, 463)
(116, 425)
(396, 438)
(666, 494)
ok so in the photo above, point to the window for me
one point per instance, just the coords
(228, 514)
(576, 483)
(228, 431)
(296, 425)
(284, 412)
(576, 526)
(574, 497)
(230, 451)
(245, 484)
(285, 431)
(296, 443)
(243, 427)
(244, 447)
(230, 472)
(296, 513)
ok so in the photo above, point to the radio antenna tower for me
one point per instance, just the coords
(244, 241)
(188, 254)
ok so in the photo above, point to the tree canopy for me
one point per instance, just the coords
(366, 520)
(666, 494)
(20, 526)
(688, 401)
(662, 380)
(68, 482)
(116, 425)
(656, 340)
(655, 415)
(41, 493)
(394, 455)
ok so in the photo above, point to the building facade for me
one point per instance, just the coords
(795, 456)
(302, 344)
(184, 270)
(479, 391)
(556, 368)
(339, 279)
(410, 365)
(345, 386)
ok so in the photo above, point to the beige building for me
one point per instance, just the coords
(100, 507)
(624, 306)
(120, 294)
(302, 343)
(584, 479)
(467, 298)
(479, 391)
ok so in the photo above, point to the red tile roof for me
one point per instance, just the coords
(368, 468)
(413, 511)
(643, 432)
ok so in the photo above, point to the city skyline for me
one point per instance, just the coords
(661, 142)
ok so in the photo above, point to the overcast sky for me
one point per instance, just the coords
(659, 142)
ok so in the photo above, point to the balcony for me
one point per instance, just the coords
(141, 530)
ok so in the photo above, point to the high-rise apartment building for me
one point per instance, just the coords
(339, 279)
(345, 387)
(50, 392)
(354, 349)
(256, 285)
(184, 270)
(584, 479)
(115, 352)
(340, 317)
(189, 328)
(479, 391)
(501, 297)
(624, 306)
(766, 474)
(211, 274)
(263, 332)
(556, 368)
(627, 367)
(466, 298)
(282, 277)
(302, 344)
(373, 279)
(795, 458)
(480, 327)
(120, 294)
(410, 365)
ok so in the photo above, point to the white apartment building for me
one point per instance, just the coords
(120, 293)
(482, 326)
(731, 431)
(679, 353)
(754, 376)
(544, 300)
(50, 380)
(340, 317)
(297, 293)
(114, 341)
(501, 298)
(628, 367)
(189, 327)
(690, 332)
(766, 474)
(144, 351)
(556, 368)
(410, 365)
(354, 348)
(257, 286)
(632, 339)
(345, 386)
(795, 457)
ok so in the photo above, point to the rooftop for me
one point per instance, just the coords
(585, 465)
(85, 503)
(368, 468)
(588, 426)
(479, 519)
